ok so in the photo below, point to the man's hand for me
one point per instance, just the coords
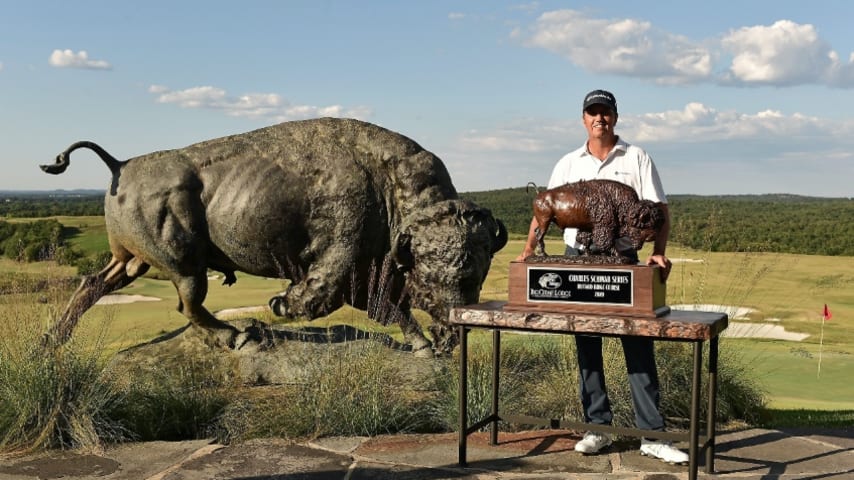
(530, 243)
(527, 252)
(662, 262)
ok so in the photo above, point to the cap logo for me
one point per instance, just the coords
(599, 95)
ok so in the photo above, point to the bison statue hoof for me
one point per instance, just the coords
(214, 337)
(258, 337)
(278, 306)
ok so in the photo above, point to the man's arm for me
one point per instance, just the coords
(531, 243)
(658, 256)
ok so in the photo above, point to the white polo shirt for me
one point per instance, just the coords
(625, 163)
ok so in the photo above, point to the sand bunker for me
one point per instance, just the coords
(746, 329)
(761, 330)
(120, 298)
(734, 312)
(230, 312)
(686, 260)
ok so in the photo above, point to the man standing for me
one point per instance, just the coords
(606, 156)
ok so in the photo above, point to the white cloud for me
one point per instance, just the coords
(196, 97)
(524, 136)
(699, 123)
(784, 53)
(158, 89)
(619, 46)
(69, 59)
(1, 66)
(251, 105)
(456, 16)
(694, 123)
(698, 149)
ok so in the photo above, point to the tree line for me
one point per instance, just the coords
(32, 241)
(723, 223)
(34, 205)
(720, 223)
(47, 238)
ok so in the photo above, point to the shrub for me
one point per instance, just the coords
(355, 388)
(517, 367)
(539, 378)
(51, 398)
(173, 401)
(92, 264)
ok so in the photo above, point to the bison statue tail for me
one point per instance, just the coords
(530, 186)
(62, 160)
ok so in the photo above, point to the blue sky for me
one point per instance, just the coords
(727, 97)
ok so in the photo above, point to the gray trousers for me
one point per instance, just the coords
(643, 381)
(642, 373)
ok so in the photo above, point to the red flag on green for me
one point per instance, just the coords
(827, 313)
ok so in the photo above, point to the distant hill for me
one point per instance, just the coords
(782, 223)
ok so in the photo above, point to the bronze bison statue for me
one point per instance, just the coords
(348, 211)
(602, 211)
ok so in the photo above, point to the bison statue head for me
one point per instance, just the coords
(445, 251)
(645, 221)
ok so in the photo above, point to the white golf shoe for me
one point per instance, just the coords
(663, 451)
(592, 443)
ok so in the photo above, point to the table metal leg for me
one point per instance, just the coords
(496, 368)
(712, 407)
(694, 433)
(463, 413)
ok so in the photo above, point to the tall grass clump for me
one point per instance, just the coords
(176, 400)
(51, 397)
(351, 388)
(516, 369)
(740, 398)
(539, 378)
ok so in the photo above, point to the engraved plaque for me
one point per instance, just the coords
(634, 290)
(588, 285)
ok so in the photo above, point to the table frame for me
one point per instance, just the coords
(694, 434)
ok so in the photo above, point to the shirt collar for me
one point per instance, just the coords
(621, 146)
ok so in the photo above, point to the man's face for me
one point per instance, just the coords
(599, 120)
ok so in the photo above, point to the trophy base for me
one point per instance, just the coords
(626, 290)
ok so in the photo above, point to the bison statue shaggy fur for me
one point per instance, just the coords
(602, 211)
(348, 211)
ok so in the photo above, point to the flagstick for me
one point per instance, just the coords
(820, 343)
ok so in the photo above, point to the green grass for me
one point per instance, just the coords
(799, 417)
(8, 266)
(85, 399)
(788, 290)
(791, 371)
(138, 322)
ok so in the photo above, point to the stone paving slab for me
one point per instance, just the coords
(772, 454)
(132, 460)
(803, 454)
(262, 459)
(541, 452)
